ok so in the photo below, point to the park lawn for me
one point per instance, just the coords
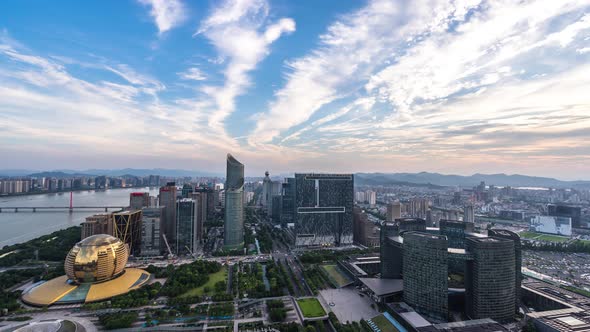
(543, 237)
(384, 324)
(311, 308)
(336, 276)
(213, 279)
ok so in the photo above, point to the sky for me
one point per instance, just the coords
(455, 87)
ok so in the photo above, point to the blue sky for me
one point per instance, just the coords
(448, 86)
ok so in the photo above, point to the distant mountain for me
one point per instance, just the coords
(514, 180)
(15, 172)
(58, 174)
(122, 172)
(376, 179)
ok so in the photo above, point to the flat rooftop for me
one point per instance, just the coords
(381, 287)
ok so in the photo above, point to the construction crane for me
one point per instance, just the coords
(170, 254)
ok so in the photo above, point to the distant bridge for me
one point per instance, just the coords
(67, 208)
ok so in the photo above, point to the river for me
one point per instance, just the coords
(26, 225)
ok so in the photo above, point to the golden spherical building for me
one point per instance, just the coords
(95, 271)
(97, 258)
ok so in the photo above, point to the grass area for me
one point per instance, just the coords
(336, 275)
(543, 237)
(213, 278)
(577, 290)
(311, 308)
(384, 324)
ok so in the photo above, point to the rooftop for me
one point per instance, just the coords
(381, 287)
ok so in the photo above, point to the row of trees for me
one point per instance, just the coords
(53, 247)
(574, 246)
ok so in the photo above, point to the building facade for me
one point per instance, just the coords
(490, 279)
(137, 200)
(425, 273)
(167, 198)
(187, 240)
(323, 205)
(151, 222)
(573, 212)
(127, 227)
(97, 224)
(233, 236)
(394, 211)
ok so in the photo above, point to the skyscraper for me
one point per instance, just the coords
(127, 227)
(288, 201)
(425, 271)
(186, 226)
(201, 200)
(234, 204)
(151, 219)
(323, 205)
(490, 278)
(139, 200)
(266, 190)
(168, 199)
(187, 190)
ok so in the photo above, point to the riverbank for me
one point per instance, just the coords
(32, 193)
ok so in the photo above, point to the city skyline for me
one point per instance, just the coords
(367, 86)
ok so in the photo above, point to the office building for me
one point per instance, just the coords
(552, 225)
(490, 279)
(391, 251)
(138, 200)
(573, 212)
(456, 232)
(167, 198)
(425, 273)
(509, 235)
(266, 190)
(201, 199)
(151, 223)
(97, 224)
(394, 211)
(210, 199)
(288, 202)
(276, 207)
(233, 235)
(365, 232)
(490, 265)
(187, 190)
(468, 213)
(323, 205)
(187, 239)
(127, 227)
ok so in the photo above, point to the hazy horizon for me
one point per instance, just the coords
(349, 86)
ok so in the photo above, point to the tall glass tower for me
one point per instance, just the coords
(233, 237)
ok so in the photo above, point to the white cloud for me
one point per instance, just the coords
(240, 32)
(194, 74)
(351, 49)
(166, 13)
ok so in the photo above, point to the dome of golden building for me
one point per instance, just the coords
(96, 258)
